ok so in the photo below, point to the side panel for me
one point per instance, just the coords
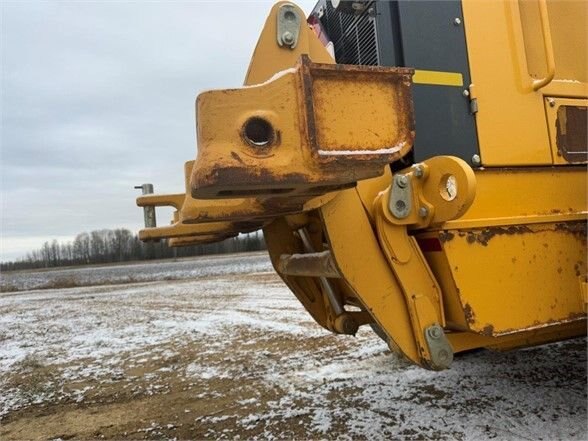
(518, 278)
(507, 55)
(433, 39)
(516, 260)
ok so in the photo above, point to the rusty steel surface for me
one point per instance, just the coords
(544, 264)
(567, 121)
(277, 150)
(314, 129)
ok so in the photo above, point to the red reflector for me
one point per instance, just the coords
(429, 244)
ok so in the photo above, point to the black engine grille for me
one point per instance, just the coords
(354, 36)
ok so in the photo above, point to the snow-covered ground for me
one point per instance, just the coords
(225, 356)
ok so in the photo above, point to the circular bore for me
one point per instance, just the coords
(258, 132)
(448, 187)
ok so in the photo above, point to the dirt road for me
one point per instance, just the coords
(225, 355)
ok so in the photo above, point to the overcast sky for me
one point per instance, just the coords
(98, 97)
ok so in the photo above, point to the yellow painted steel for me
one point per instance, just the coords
(196, 221)
(370, 276)
(506, 54)
(517, 196)
(419, 286)
(525, 252)
(517, 278)
(493, 257)
(192, 210)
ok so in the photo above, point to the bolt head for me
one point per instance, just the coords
(435, 332)
(466, 93)
(401, 181)
(423, 212)
(443, 356)
(476, 160)
(287, 37)
(457, 21)
(418, 171)
(551, 102)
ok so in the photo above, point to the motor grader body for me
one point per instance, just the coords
(431, 183)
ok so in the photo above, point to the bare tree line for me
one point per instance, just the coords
(121, 245)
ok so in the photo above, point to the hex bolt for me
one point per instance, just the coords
(443, 356)
(466, 93)
(423, 212)
(456, 21)
(287, 37)
(401, 181)
(434, 332)
(476, 160)
(418, 171)
(551, 102)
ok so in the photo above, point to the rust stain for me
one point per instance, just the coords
(488, 330)
(446, 236)
(550, 322)
(469, 314)
(484, 236)
(536, 325)
(247, 181)
(578, 229)
(571, 133)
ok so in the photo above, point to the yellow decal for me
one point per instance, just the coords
(438, 78)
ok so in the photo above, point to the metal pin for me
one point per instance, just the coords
(148, 211)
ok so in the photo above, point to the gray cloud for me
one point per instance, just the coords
(98, 97)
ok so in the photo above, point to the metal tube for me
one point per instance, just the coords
(309, 264)
(148, 211)
(332, 296)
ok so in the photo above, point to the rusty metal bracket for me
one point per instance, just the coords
(400, 197)
(439, 347)
(304, 133)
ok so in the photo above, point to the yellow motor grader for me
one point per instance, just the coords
(416, 166)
